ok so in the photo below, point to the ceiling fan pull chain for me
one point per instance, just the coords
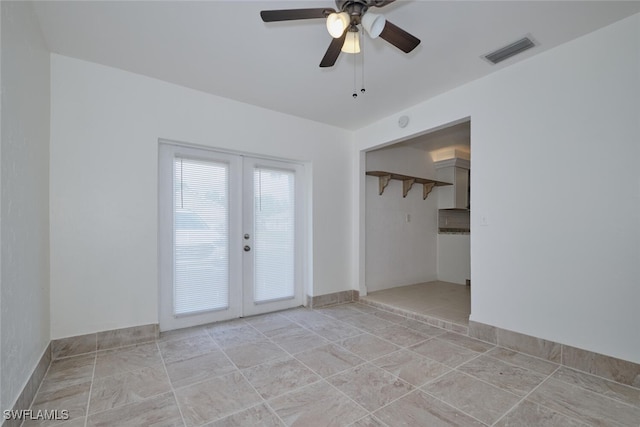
(362, 52)
(355, 63)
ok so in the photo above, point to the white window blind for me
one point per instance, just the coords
(274, 226)
(201, 236)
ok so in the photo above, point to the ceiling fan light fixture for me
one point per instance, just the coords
(337, 23)
(351, 43)
(348, 18)
(373, 23)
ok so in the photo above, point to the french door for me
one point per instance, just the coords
(230, 238)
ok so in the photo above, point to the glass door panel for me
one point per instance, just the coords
(273, 222)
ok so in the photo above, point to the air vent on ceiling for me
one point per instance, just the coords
(510, 50)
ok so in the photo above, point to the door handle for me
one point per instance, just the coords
(247, 248)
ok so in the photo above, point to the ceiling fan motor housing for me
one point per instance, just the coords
(340, 4)
(355, 8)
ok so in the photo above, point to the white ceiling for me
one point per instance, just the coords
(224, 48)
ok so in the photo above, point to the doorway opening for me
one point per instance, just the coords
(417, 247)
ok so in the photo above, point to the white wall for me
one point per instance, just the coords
(454, 258)
(24, 201)
(105, 127)
(398, 252)
(555, 173)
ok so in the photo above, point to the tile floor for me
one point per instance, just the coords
(450, 302)
(346, 365)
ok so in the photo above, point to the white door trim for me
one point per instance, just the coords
(168, 150)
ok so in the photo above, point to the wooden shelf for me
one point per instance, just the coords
(407, 182)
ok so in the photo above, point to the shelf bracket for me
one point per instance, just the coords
(383, 181)
(406, 186)
(426, 189)
(407, 182)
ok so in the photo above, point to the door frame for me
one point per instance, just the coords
(165, 239)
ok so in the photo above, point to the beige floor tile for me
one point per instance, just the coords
(360, 356)
(404, 298)
(156, 411)
(67, 372)
(530, 414)
(258, 416)
(216, 398)
(621, 392)
(399, 335)
(295, 340)
(271, 325)
(76, 422)
(441, 300)
(334, 330)
(466, 342)
(306, 317)
(419, 409)
(474, 397)
(254, 353)
(277, 377)
(446, 313)
(130, 387)
(511, 378)
(370, 386)
(186, 348)
(340, 311)
(584, 405)
(199, 368)
(422, 328)
(329, 359)
(388, 316)
(126, 359)
(519, 359)
(264, 318)
(411, 367)
(444, 352)
(73, 398)
(316, 405)
(233, 335)
(364, 308)
(369, 421)
(367, 322)
(368, 346)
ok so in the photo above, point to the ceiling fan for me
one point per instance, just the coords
(345, 21)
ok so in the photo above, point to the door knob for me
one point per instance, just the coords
(247, 248)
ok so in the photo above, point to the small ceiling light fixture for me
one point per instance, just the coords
(373, 23)
(352, 42)
(337, 23)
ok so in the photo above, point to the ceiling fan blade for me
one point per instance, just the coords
(382, 3)
(331, 56)
(399, 37)
(294, 14)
